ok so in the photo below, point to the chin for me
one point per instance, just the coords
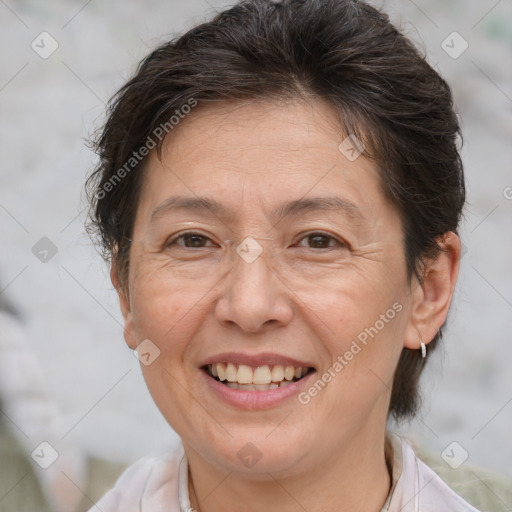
(255, 453)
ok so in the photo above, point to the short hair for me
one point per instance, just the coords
(343, 51)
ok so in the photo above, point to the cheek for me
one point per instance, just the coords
(166, 309)
(360, 320)
(349, 300)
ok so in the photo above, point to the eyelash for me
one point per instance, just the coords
(172, 241)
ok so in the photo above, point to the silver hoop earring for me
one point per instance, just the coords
(423, 349)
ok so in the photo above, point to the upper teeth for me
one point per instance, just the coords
(243, 374)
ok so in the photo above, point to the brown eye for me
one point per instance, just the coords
(190, 240)
(321, 241)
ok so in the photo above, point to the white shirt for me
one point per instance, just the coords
(160, 484)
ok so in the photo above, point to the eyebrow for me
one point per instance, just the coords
(210, 207)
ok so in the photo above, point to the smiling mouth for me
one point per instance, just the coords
(261, 378)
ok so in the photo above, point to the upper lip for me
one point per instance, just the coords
(255, 360)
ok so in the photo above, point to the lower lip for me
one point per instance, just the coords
(256, 399)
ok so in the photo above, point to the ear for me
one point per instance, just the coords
(431, 299)
(124, 302)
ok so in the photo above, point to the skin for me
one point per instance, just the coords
(300, 298)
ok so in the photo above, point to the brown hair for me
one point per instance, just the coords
(343, 51)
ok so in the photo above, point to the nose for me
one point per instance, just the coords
(255, 297)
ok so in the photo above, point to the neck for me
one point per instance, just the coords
(353, 480)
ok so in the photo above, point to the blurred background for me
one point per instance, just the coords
(60, 63)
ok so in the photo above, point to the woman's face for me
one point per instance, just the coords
(296, 260)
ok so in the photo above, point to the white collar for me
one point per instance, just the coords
(414, 488)
(183, 497)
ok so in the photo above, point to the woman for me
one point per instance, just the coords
(279, 192)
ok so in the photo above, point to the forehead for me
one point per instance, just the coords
(256, 128)
(261, 154)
